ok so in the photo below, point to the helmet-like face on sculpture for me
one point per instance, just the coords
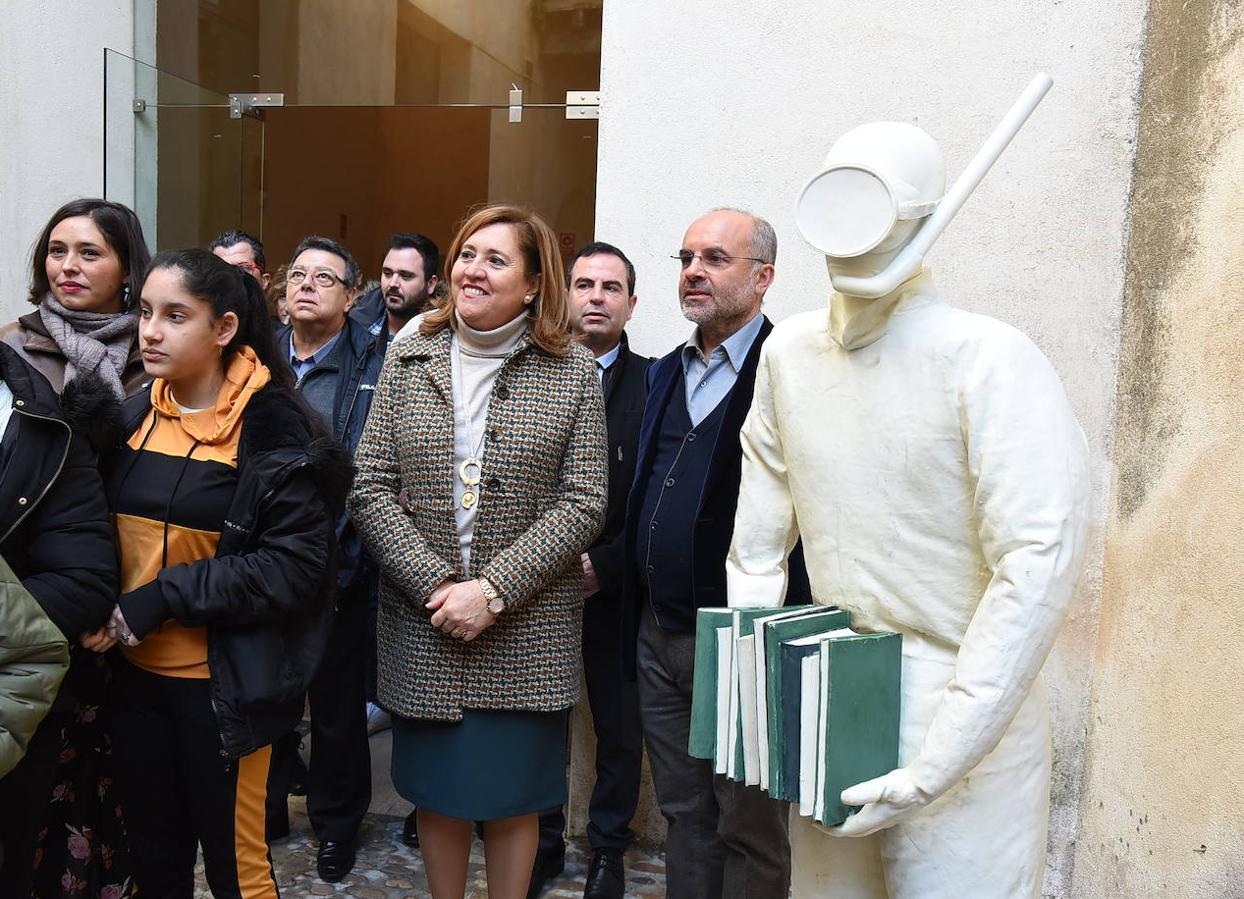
(878, 183)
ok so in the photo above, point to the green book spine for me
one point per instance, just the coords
(861, 694)
(744, 619)
(787, 786)
(775, 633)
(702, 739)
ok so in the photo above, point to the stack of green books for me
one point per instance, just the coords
(795, 702)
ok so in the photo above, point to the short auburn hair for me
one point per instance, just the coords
(537, 245)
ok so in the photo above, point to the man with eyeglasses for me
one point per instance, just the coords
(336, 361)
(724, 839)
(244, 251)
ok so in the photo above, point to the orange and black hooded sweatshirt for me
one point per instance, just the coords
(224, 523)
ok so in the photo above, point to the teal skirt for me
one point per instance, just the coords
(489, 765)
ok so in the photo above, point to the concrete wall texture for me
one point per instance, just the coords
(1108, 232)
(51, 118)
(1162, 811)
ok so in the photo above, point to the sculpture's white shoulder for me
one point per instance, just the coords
(971, 335)
(802, 331)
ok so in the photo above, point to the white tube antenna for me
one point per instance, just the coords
(909, 260)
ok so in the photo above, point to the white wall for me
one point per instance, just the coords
(735, 103)
(51, 118)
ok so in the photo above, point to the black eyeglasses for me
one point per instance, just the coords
(714, 259)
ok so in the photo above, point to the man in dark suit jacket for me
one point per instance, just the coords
(602, 300)
(724, 839)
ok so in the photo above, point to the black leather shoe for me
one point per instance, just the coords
(335, 860)
(550, 862)
(605, 879)
(410, 829)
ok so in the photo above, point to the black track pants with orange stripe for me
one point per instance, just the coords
(180, 792)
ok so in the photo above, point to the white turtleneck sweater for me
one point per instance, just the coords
(477, 356)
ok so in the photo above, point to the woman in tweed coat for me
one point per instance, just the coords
(482, 477)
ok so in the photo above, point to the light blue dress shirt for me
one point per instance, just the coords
(709, 380)
(302, 366)
(603, 362)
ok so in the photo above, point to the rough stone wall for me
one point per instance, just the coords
(1163, 809)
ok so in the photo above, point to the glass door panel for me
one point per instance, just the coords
(396, 116)
(359, 174)
(174, 154)
(380, 52)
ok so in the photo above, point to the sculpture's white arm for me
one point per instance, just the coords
(765, 531)
(1029, 461)
(1028, 469)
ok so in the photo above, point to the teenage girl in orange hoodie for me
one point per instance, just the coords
(224, 494)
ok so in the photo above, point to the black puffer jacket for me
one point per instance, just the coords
(266, 596)
(54, 525)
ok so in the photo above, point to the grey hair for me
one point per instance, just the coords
(764, 238)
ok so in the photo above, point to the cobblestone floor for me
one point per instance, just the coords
(386, 869)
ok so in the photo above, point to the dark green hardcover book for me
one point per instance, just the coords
(744, 619)
(702, 739)
(860, 701)
(792, 655)
(775, 632)
(758, 768)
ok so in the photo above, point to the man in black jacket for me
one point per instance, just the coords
(56, 534)
(602, 300)
(337, 362)
(724, 839)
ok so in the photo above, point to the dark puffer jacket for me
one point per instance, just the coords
(267, 594)
(54, 526)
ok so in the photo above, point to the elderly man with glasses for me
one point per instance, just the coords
(336, 361)
(724, 839)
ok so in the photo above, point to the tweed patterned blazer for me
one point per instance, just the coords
(542, 503)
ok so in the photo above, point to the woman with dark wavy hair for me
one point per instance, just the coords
(85, 271)
(61, 817)
(482, 477)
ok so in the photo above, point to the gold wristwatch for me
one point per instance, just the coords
(496, 604)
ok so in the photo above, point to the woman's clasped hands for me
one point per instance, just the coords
(459, 610)
(116, 630)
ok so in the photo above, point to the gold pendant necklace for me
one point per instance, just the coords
(472, 468)
(469, 472)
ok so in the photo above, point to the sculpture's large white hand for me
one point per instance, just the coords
(885, 801)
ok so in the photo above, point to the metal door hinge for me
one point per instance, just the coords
(583, 104)
(139, 105)
(252, 104)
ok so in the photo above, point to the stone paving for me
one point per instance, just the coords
(387, 869)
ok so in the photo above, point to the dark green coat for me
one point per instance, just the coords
(34, 656)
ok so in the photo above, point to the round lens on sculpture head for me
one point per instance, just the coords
(845, 211)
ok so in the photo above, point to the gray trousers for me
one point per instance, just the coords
(724, 839)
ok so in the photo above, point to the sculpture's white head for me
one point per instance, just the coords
(876, 188)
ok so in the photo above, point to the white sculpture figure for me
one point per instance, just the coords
(934, 469)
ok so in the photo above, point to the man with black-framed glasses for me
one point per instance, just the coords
(724, 839)
(336, 361)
